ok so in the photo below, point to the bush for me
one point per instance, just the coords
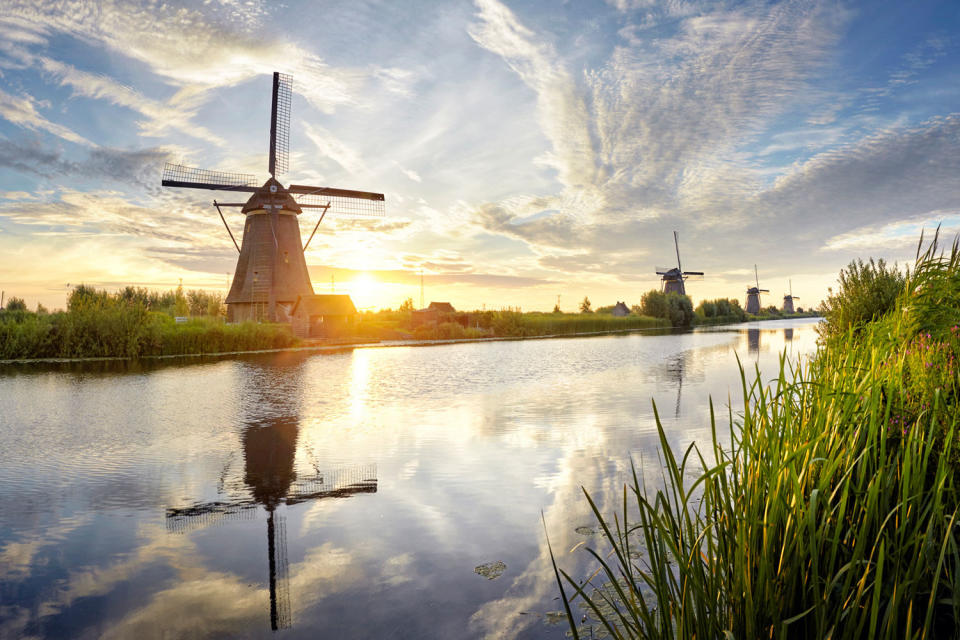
(16, 304)
(669, 306)
(866, 291)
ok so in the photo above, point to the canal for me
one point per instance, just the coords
(367, 493)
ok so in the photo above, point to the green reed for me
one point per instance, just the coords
(826, 506)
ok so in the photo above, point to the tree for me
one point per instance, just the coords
(556, 309)
(585, 305)
(181, 307)
(406, 306)
(16, 304)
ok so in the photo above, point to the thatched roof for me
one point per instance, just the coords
(444, 307)
(325, 305)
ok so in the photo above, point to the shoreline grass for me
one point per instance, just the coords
(834, 511)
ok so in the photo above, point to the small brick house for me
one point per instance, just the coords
(322, 316)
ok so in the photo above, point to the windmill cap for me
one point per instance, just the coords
(264, 196)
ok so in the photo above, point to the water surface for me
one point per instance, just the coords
(352, 494)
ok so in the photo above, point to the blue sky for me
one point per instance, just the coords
(527, 150)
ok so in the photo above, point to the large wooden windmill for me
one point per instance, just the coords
(672, 278)
(788, 299)
(753, 294)
(271, 271)
(270, 481)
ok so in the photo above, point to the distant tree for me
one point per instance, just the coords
(16, 304)
(654, 304)
(556, 309)
(585, 305)
(41, 309)
(406, 306)
(608, 310)
(181, 307)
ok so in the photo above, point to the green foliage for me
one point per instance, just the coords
(866, 291)
(585, 305)
(669, 306)
(724, 309)
(99, 324)
(16, 304)
(406, 306)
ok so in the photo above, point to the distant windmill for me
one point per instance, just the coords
(753, 294)
(788, 300)
(269, 450)
(672, 278)
(271, 270)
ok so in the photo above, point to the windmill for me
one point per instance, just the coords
(271, 270)
(269, 449)
(788, 299)
(753, 294)
(672, 278)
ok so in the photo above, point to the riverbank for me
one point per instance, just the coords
(834, 512)
(338, 345)
(120, 330)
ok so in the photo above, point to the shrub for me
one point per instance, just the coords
(866, 291)
(669, 306)
(16, 304)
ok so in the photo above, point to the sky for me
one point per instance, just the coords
(527, 150)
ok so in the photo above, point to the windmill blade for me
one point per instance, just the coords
(664, 270)
(342, 201)
(280, 123)
(693, 273)
(763, 290)
(336, 483)
(202, 515)
(178, 175)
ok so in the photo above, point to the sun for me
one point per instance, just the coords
(365, 290)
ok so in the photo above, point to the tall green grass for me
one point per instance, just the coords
(832, 512)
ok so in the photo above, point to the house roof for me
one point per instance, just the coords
(622, 306)
(325, 305)
(441, 306)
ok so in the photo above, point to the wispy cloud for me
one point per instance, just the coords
(22, 111)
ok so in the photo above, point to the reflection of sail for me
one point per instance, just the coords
(270, 480)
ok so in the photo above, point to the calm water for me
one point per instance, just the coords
(346, 495)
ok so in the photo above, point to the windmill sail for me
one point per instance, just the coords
(280, 124)
(178, 175)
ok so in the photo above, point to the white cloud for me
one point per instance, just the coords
(22, 111)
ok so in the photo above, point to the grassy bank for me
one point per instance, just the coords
(834, 511)
(98, 324)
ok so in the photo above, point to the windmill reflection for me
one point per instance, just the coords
(788, 335)
(269, 451)
(753, 340)
(675, 370)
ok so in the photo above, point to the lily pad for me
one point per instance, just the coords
(553, 618)
(491, 570)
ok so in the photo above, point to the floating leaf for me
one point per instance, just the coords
(491, 570)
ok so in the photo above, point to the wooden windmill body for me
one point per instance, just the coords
(271, 271)
(753, 295)
(672, 279)
(788, 299)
